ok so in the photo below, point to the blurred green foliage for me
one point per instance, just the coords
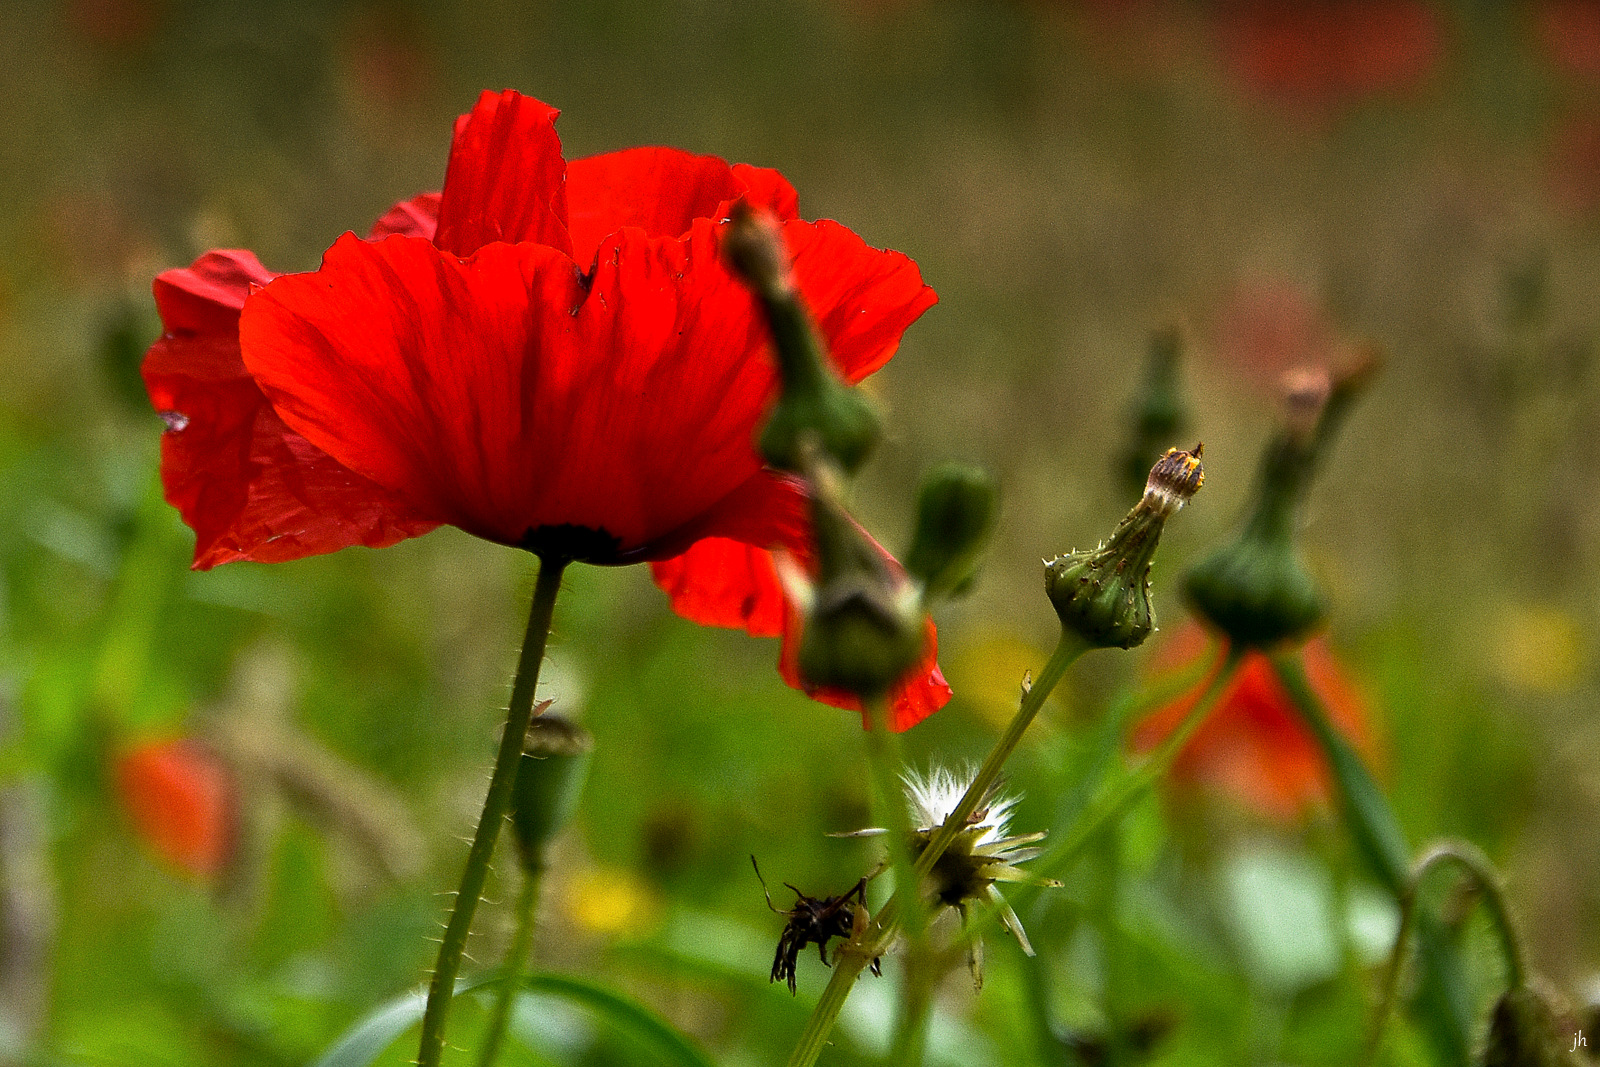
(1069, 177)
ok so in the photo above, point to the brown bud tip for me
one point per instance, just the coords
(1176, 477)
(753, 248)
(1305, 392)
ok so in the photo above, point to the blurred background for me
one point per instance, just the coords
(229, 801)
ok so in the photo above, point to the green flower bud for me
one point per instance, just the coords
(1104, 595)
(1256, 590)
(955, 514)
(555, 762)
(865, 623)
(813, 400)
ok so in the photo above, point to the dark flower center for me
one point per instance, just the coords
(573, 544)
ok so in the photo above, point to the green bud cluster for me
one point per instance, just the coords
(1103, 595)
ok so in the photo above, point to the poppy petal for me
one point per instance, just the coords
(863, 298)
(662, 191)
(247, 485)
(920, 693)
(727, 577)
(503, 395)
(417, 217)
(506, 179)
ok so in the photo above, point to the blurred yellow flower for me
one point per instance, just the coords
(1541, 649)
(988, 674)
(611, 901)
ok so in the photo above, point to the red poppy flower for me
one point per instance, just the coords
(181, 801)
(546, 355)
(1253, 745)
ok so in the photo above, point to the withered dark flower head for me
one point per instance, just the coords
(815, 920)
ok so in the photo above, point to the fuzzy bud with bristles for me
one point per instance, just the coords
(1103, 595)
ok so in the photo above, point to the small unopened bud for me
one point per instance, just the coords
(955, 514)
(555, 762)
(1526, 1029)
(1103, 595)
(865, 623)
(1256, 590)
(812, 400)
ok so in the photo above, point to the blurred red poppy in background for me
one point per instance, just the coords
(548, 356)
(1570, 33)
(181, 800)
(1326, 55)
(1252, 746)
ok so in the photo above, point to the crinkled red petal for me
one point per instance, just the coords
(503, 395)
(662, 191)
(417, 217)
(863, 298)
(727, 577)
(920, 693)
(506, 180)
(249, 487)
(508, 393)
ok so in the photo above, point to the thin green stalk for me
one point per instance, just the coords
(516, 959)
(851, 960)
(916, 1000)
(847, 967)
(885, 764)
(1478, 867)
(1068, 649)
(1132, 789)
(495, 805)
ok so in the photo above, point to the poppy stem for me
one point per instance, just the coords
(886, 764)
(516, 959)
(495, 806)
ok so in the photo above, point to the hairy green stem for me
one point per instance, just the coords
(516, 960)
(495, 806)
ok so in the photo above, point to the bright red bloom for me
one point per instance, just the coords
(1253, 744)
(181, 800)
(546, 355)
